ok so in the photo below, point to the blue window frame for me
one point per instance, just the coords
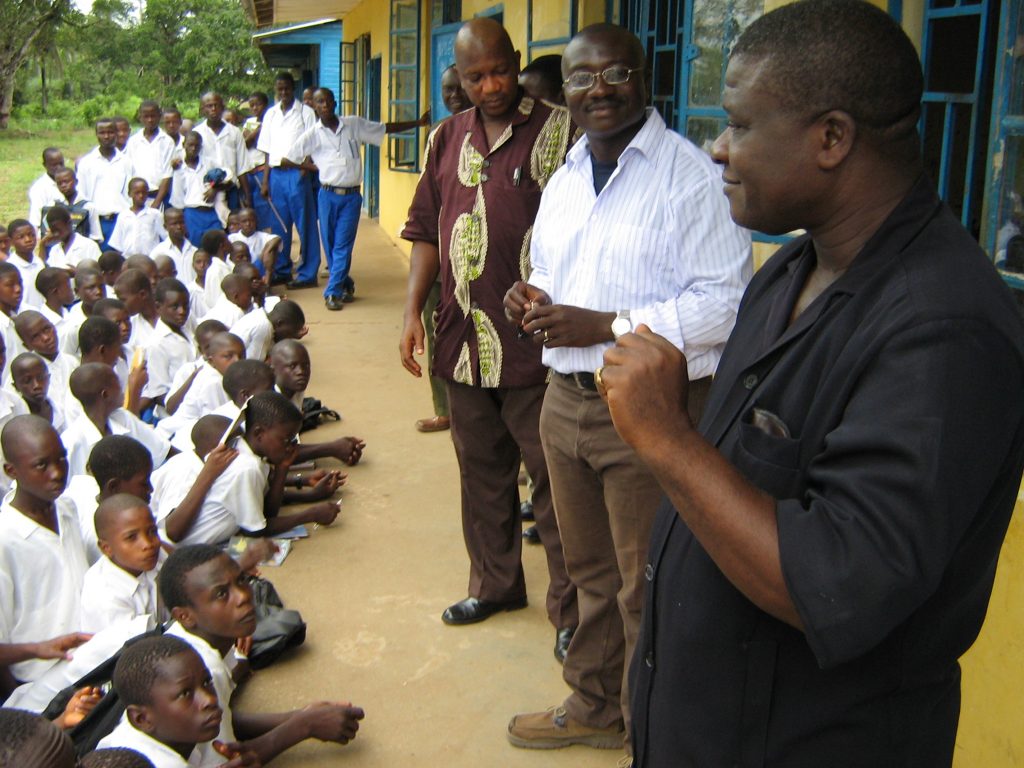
(555, 32)
(404, 84)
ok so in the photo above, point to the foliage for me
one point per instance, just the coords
(112, 58)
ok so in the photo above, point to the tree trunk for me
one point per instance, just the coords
(42, 84)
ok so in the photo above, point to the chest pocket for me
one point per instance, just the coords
(769, 461)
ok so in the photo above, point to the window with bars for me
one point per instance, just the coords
(404, 83)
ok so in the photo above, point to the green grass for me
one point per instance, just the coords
(21, 149)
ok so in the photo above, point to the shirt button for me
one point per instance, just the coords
(483, 177)
(649, 660)
(487, 163)
(750, 380)
(649, 572)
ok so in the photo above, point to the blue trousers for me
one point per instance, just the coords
(292, 195)
(107, 229)
(264, 216)
(198, 221)
(339, 219)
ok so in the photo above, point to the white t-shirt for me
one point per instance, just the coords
(217, 271)
(104, 182)
(151, 158)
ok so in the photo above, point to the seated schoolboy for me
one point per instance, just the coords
(235, 300)
(30, 378)
(290, 361)
(260, 329)
(232, 225)
(55, 287)
(176, 245)
(111, 264)
(67, 247)
(89, 288)
(211, 601)
(30, 741)
(122, 583)
(206, 391)
(170, 348)
(23, 256)
(171, 704)
(140, 228)
(10, 406)
(259, 285)
(184, 376)
(10, 302)
(135, 290)
(118, 464)
(217, 247)
(197, 288)
(239, 253)
(262, 245)
(98, 390)
(165, 267)
(115, 757)
(42, 558)
(247, 497)
(38, 335)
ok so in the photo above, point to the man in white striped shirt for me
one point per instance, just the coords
(633, 229)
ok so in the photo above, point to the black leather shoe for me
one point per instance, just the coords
(526, 510)
(297, 284)
(333, 303)
(531, 535)
(347, 296)
(562, 639)
(471, 610)
(280, 280)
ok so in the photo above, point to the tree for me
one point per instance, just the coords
(21, 23)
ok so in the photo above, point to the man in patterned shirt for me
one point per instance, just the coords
(471, 220)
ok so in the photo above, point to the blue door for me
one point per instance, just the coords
(371, 169)
(442, 56)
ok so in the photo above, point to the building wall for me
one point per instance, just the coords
(291, 11)
(993, 670)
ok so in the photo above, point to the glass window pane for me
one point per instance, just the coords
(550, 20)
(403, 49)
(405, 14)
(1017, 69)
(1010, 235)
(403, 84)
(716, 26)
(703, 131)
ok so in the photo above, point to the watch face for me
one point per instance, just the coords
(620, 326)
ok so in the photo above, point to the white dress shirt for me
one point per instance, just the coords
(166, 351)
(255, 157)
(226, 311)
(41, 574)
(257, 242)
(110, 594)
(83, 492)
(234, 501)
(42, 194)
(336, 153)
(31, 298)
(127, 736)
(189, 189)
(230, 147)
(61, 368)
(138, 231)
(205, 394)
(55, 317)
(217, 271)
(73, 321)
(182, 258)
(182, 439)
(173, 481)
(256, 332)
(151, 158)
(143, 333)
(657, 241)
(79, 247)
(11, 405)
(104, 182)
(81, 435)
(281, 130)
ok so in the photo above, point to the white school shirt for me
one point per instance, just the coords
(172, 482)
(110, 594)
(12, 343)
(68, 334)
(231, 151)
(282, 129)
(182, 439)
(127, 736)
(657, 241)
(138, 231)
(42, 194)
(41, 574)
(182, 257)
(189, 189)
(255, 158)
(223, 683)
(31, 298)
(336, 153)
(104, 182)
(197, 307)
(205, 394)
(81, 435)
(11, 405)
(256, 332)
(234, 501)
(226, 311)
(217, 271)
(83, 492)
(56, 318)
(151, 158)
(78, 248)
(257, 242)
(142, 332)
(59, 392)
(166, 352)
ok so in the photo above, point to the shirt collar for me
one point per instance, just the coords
(14, 520)
(645, 143)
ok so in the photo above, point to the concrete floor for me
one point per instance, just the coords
(372, 586)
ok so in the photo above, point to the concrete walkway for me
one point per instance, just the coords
(372, 586)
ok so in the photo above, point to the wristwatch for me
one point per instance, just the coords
(621, 324)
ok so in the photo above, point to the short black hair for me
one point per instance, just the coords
(139, 261)
(210, 326)
(107, 302)
(6, 268)
(110, 261)
(260, 96)
(269, 409)
(176, 568)
(286, 76)
(137, 667)
(208, 431)
(30, 741)
(287, 311)
(88, 380)
(50, 278)
(58, 213)
(110, 508)
(115, 757)
(118, 457)
(133, 280)
(148, 104)
(51, 151)
(211, 241)
(548, 67)
(242, 374)
(171, 111)
(17, 224)
(83, 272)
(169, 285)
(97, 331)
(845, 55)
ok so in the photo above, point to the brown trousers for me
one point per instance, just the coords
(605, 499)
(491, 430)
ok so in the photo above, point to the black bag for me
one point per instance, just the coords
(107, 713)
(314, 412)
(277, 628)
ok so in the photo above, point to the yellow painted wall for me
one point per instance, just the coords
(294, 11)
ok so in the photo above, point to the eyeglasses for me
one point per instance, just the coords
(584, 81)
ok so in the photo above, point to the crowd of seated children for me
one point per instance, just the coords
(261, 328)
